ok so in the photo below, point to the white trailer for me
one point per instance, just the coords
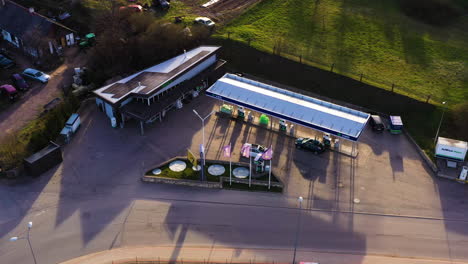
(451, 149)
(73, 122)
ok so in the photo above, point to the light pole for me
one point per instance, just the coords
(440, 123)
(12, 239)
(203, 130)
(300, 199)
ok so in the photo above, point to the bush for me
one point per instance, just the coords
(36, 135)
(130, 42)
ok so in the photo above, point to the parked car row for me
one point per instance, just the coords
(19, 83)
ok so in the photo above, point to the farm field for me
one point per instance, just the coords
(372, 38)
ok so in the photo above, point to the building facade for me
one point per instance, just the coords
(147, 95)
(31, 32)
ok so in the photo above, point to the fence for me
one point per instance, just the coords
(286, 49)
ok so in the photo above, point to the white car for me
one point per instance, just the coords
(205, 21)
(36, 75)
(255, 149)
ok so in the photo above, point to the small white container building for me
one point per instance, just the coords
(452, 150)
(73, 122)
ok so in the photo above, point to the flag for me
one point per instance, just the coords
(227, 151)
(268, 154)
(191, 158)
(246, 150)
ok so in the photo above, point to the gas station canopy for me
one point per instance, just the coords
(293, 107)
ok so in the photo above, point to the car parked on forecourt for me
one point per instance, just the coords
(19, 82)
(256, 149)
(376, 123)
(36, 75)
(9, 90)
(310, 144)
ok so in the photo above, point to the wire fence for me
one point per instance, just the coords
(289, 50)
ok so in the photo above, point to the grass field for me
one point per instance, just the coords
(363, 36)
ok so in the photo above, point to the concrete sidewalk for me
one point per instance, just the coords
(239, 255)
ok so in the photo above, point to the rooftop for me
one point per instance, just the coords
(151, 80)
(18, 20)
(297, 108)
(452, 142)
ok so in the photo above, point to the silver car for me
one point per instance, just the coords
(204, 21)
(36, 75)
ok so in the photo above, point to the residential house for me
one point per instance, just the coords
(32, 32)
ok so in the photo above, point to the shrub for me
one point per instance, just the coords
(36, 135)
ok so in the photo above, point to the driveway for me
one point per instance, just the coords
(31, 104)
(95, 201)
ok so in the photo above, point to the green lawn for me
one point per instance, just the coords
(363, 36)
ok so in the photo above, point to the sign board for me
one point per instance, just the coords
(191, 158)
(451, 149)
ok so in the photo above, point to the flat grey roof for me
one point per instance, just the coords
(297, 108)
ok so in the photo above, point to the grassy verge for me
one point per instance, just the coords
(190, 174)
(373, 38)
(36, 134)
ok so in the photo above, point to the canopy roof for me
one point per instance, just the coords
(297, 108)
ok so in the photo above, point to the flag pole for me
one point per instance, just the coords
(230, 164)
(250, 170)
(269, 176)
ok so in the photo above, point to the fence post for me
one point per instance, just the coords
(428, 98)
(300, 58)
(229, 35)
(333, 66)
(360, 79)
(248, 41)
(393, 86)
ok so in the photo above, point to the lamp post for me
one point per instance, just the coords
(203, 130)
(300, 199)
(13, 239)
(440, 123)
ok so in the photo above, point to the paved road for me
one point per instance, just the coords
(95, 201)
(220, 222)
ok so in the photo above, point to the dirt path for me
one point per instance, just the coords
(31, 104)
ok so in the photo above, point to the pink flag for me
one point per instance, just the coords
(268, 154)
(227, 151)
(246, 150)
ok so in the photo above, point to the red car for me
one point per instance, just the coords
(9, 91)
(19, 82)
(136, 8)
